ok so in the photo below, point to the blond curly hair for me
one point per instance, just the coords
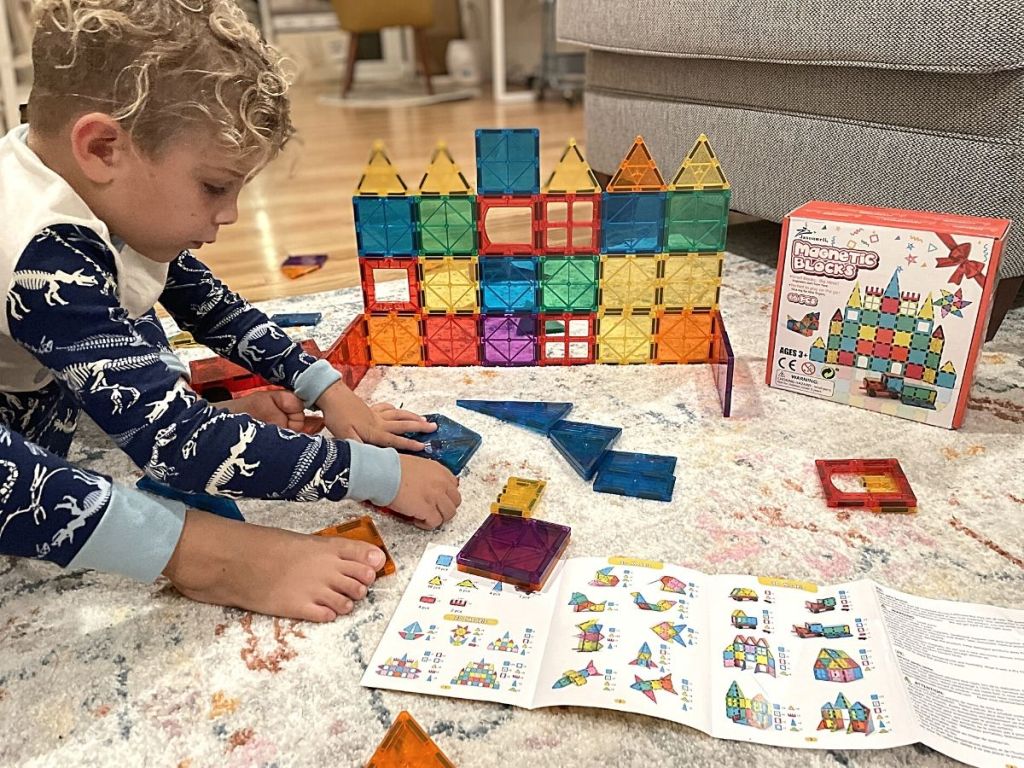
(160, 67)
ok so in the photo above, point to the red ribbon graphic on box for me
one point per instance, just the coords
(958, 257)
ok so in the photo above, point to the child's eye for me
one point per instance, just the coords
(213, 189)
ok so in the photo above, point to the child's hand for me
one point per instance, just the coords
(276, 407)
(398, 422)
(428, 493)
(348, 417)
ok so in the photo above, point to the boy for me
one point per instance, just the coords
(145, 119)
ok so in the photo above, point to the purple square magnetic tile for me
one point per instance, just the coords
(517, 550)
(305, 260)
(722, 364)
(509, 340)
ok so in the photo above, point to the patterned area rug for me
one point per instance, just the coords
(95, 670)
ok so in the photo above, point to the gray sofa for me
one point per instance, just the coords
(907, 104)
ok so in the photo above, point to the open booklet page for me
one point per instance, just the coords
(848, 666)
(801, 665)
(963, 665)
(629, 635)
(454, 634)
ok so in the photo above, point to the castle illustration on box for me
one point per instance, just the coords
(892, 333)
(628, 274)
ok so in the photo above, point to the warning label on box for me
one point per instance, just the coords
(805, 385)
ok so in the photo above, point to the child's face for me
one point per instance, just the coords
(177, 200)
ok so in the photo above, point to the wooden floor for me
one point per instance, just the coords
(302, 202)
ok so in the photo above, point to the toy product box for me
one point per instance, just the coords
(883, 309)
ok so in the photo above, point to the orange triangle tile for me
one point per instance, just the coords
(443, 176)
(380, 178)
(293, 273)
(406, 745)
(700, 170)
(572, 175)
(362, 529)
(638, 172)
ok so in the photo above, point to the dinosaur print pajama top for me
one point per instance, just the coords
(78, 334)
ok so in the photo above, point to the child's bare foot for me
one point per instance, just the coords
(269, 570)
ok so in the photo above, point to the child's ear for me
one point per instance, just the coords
(100, 146)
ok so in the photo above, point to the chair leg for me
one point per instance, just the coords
(420, 36)
(350, 67)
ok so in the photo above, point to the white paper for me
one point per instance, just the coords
(847, 666)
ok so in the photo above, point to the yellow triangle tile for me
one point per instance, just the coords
(638, 172)
(700, 170)
(380, 178)
(572, 175)
(443, 176)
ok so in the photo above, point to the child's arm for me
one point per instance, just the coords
(224, 321)
(64, 307)
(52, 510)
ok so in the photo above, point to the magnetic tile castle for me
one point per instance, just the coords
(628, 274)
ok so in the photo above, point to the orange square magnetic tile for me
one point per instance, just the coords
(395, 339)
(684, 338)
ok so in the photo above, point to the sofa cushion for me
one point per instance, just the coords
(778, 161)
(988, 107)
(919, 35)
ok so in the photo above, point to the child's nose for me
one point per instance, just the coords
(226, 215)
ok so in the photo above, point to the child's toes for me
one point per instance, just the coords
(335, 600)
(358, 572)
(360, 552)
(351, 588)
(319, 613)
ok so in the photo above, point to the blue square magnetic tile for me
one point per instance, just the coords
(385, 226)
(508, 285)
(640, 475)
(632, 222)
(508, 161)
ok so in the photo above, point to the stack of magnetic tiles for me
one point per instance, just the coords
(630, 274)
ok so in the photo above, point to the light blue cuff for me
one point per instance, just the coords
(374, 473)
(136, 537)
(174, 362)
(314, 381)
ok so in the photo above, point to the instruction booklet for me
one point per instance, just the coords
(848, 666)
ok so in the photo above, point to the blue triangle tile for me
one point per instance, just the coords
(583, 445)
(640, 475)
(535, 416)
(451, 444)
(218, 505)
